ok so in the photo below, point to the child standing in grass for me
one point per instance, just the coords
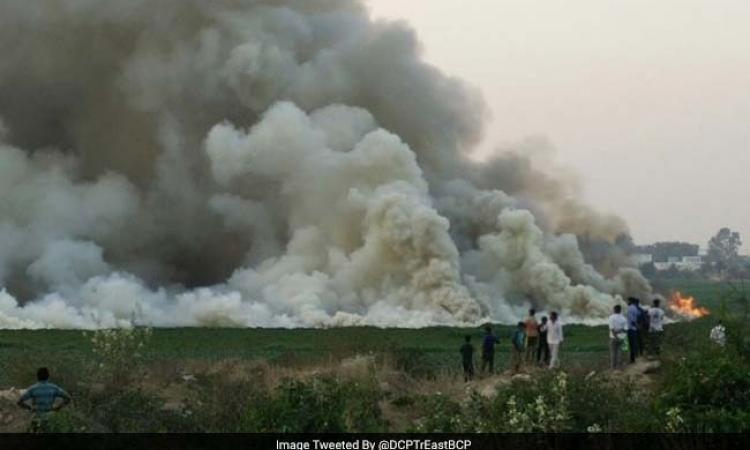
(467, 355)
(42, 396)
(517, 341)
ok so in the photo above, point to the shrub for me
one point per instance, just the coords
(415, 362)
(67, 421)
(218, 405)
(539, 405)
(363, 413)
(320, 405)
(443, 415)
(707, 392)
(118, 352)
(126, 410)
(598, 403)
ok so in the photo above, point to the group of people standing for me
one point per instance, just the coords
(538, 342)
(532, 343)
(640, 329)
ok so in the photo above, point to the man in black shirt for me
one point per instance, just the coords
(488, 350)
(467, 355)
(542, 350)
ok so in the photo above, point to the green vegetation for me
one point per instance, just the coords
(419, 351)
(708, 294)
(716, 296)
(369, 379)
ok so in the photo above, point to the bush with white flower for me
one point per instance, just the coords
(548, 412)
(117, 352)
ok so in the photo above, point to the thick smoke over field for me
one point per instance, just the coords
(268, 163)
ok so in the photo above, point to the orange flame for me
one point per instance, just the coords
(686, 306)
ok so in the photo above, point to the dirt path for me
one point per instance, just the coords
(12, 418)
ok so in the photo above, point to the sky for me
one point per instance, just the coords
(648, 101)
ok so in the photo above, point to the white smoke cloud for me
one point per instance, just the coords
(281, 164)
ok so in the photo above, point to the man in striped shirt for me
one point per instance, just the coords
(43, 395)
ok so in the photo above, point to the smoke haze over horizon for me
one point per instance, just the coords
(647, 101)
(285, 164)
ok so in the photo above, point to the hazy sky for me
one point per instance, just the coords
(649, 101)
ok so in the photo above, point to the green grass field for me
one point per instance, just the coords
(434, 348)
(707, 293)
(371, 379)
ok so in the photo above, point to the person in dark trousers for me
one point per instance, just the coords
(643, 327)
(467, 356)
(488, 350)
(542, 350)
(517, 341)
(633, 327)
(42, 396)
(532, 335)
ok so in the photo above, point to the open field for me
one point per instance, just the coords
(436, 348)
(194, 379)
(707, 293)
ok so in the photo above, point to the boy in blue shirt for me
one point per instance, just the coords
(42, 396)
(517, 341)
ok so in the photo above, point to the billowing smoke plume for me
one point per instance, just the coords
(267, 163)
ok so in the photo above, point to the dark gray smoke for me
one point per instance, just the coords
(266, 163)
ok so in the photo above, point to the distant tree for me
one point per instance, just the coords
(741, 270)
(723, 252)
(648, 270)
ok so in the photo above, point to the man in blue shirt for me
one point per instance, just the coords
(488, 350)
(634, 317)
(42, 396)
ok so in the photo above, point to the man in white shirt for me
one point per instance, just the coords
(656, 327)
(618, 329)
(554, 339)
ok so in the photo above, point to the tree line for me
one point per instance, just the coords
(722, 260)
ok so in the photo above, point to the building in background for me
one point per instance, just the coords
(683, 264)
(643, 258)
(666, 256)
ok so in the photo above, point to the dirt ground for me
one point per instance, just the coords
(12, 418)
